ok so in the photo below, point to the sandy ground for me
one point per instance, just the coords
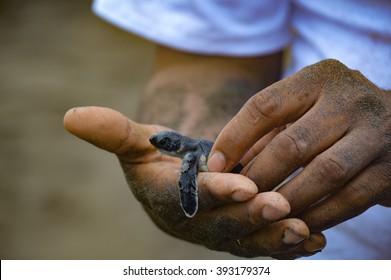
(61, 198)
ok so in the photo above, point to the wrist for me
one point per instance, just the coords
(197, 95)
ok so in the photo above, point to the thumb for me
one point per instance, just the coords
(109, 130)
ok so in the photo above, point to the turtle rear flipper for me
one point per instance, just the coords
(188, 188)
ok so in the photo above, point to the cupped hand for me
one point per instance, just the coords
(326, 118)
(232, 217)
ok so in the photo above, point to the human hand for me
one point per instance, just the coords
(232, 216)
(330, 120)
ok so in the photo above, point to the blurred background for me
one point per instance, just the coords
(61, 198)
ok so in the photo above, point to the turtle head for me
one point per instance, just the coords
(168, 142)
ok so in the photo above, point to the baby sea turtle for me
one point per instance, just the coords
(194, 153)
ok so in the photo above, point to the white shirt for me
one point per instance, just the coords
(356, 32)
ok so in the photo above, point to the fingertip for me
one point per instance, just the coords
(296, 232)
(216, 189)
(216, 162)
(267, 207)
(247, 190)
(68, 119)
(315, 243)
(277, 207)
(76, 121)
(102, 127)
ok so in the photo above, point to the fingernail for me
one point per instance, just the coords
(216, 162)
(271, 214)
(314, 243)
(292, 237)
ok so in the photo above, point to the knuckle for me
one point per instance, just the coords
(358, 194)
(369, 105)
(332, 168)
(323, 70)
(291, 146)
(332, 64)
(262, 106)
(385, 132)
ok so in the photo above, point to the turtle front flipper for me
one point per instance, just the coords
(188, 188)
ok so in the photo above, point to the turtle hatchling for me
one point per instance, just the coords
(194, 153)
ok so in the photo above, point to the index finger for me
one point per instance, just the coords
(279, 104)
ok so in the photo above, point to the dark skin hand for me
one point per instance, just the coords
(203, 94)
(328, 119)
